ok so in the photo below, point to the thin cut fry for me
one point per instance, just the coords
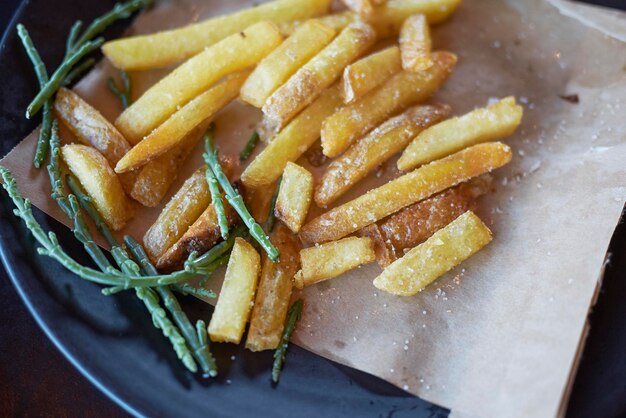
(284, 61)
(274, 292)
(155, 178)
(174, 130)
(369, 72)
(294, 196)
(415, 43)
(234, 53)
(179, 213)
(100, 182)
(168, 47)
(406, 190)
(363, 8)
(319, 73)
(416, 223)
(481, 125)
(323, 262)
(89, 126)
(399, 92)
(374, 149)
(237, 295)
(446, 249)
(292, 141)
(388, 18)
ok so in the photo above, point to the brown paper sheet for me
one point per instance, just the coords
(499, 335)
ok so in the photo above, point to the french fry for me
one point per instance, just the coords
(362, 76)
(237, 295)
(168, 47)
(387, 19)
(363, 8)
(416, 223)
(100, 182)
(406, 190)
(174, 130)
(374, 149)
(284, 61)
(294, 196)
(274, 292)
(481, 125)
(201, 236)
(415, 43)
(446, 249)
(89, 126)
(155, 178)
(292, 141)
(399, 92)
(319, 73)
(234, 53)
(179, 213)
(323, 262)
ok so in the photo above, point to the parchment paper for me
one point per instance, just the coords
(499, 335)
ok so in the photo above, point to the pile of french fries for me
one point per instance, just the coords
(360, 81)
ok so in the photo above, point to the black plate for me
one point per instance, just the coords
(112, 342)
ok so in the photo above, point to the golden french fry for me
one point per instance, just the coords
(155, 178)
(292, 141)
(388, 18)
(406, 190)
(294, 196)
(89, 126)
(179, 213)
(481, 125)
(416, 223)
(374, 149)
(415, 43)
(363, 8)
(168, 47)
(362, 76)
(100, 182)
(446, 249)
(319, 73)
(399, 92)
(234, 53)
(174, 130)
(323, 262)
(201, 236)
(237, 295)
(284, 61)
(274, 291)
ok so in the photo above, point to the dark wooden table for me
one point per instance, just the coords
(36, 380)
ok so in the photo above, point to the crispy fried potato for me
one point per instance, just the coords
(292, 141)
(399, 92)
(416, 223)
(234, 53)
(446, 249)
(319, 73)
(201, 236)
(294, 196)
(89, 126)
(284, 61)
(388, 18)
(362, 76)
(237, 295)
(323, 262)
(179, 213)
(258, 200)
(168, 47)
(481, 125)
(100, 182)
(155, 178)
(363, 8)
(374, 149)
(415, 43)
(174, 130)
(406, 190)
(274, 292)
